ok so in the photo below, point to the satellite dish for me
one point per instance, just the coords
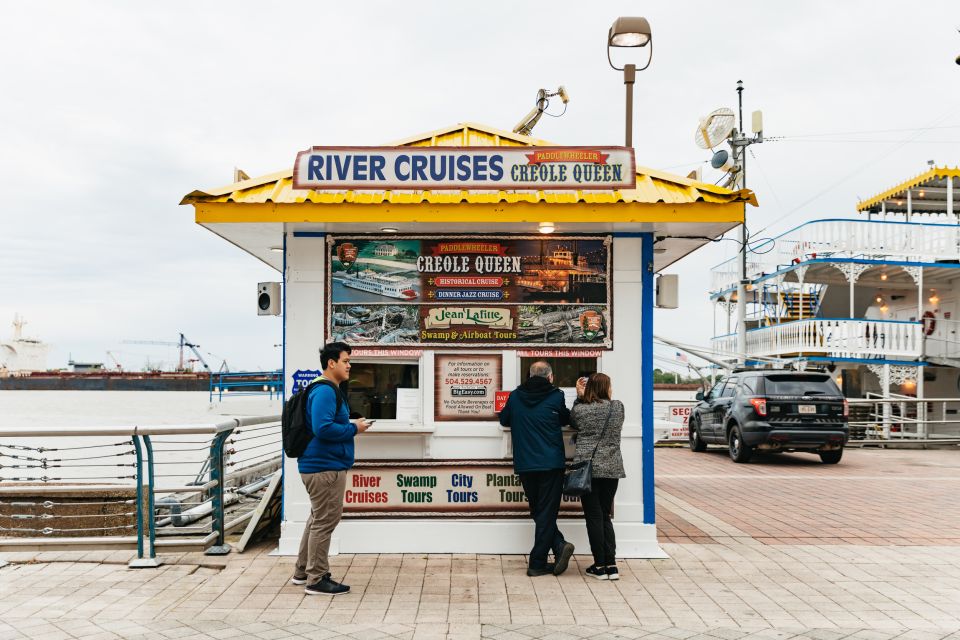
(714, 128)
(720, 160)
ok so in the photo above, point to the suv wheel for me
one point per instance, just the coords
(831, 457)
(739, 450)
(696, 442)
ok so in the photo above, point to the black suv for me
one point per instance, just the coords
(772, 410)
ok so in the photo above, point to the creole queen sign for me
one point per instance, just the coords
(494, 168)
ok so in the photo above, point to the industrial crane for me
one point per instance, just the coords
(183, 343)
(116, 363)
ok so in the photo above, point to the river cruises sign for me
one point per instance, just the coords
(454, 168)
(469, 291)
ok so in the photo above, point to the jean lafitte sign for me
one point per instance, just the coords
(443, 317)
(465, 168)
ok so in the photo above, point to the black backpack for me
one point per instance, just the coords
(294, 424)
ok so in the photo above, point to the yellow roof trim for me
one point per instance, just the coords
(935, 172)
(635, 212)
(653, 186)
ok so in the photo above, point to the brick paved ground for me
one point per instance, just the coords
(873, 497)
(868, 549)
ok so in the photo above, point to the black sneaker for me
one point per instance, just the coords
(612, 573)
(326, 587)
(564, 558)
(298, 580)
(547, 570)
(600, 573)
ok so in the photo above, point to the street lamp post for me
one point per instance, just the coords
(629, 33)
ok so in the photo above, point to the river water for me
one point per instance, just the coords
(180, 458)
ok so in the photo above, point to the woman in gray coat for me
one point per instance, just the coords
(598, 421)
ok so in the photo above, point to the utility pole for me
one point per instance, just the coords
(739, 143)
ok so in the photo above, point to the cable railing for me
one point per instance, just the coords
(167, 487)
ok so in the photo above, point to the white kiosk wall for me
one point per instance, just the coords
(304, 329)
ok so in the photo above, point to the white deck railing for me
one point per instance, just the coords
(836, 337)
(870, 239)
(944, 340)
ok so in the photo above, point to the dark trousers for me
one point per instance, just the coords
(543, 489)
(597, 506)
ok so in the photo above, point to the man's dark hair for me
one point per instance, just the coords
(332, 351)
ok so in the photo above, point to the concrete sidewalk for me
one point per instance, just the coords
(720, 590)
(782, 548)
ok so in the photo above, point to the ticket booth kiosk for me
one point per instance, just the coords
(451, 261)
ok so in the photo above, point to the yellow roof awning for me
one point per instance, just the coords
(928, 193)
(256, 214)
(653, 187)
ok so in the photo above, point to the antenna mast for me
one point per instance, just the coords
(739, 143)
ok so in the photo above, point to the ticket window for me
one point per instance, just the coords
(565, 370)
(375, 386)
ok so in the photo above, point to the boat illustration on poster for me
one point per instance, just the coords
(374, 271)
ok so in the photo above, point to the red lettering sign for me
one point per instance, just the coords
(500, 400)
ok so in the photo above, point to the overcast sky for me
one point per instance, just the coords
(111, 112)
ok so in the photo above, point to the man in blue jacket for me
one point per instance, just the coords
(536, 413)
(323, 469)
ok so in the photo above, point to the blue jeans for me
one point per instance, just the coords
(544, 489)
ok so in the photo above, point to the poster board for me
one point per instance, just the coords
(492, 291)
(465, 386)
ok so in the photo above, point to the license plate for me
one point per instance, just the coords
(808, 408)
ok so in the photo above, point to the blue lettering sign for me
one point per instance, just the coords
(398, 168)
(316, 164)
(303, 377)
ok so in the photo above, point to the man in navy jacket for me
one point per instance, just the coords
(536, 413)
(323, 469)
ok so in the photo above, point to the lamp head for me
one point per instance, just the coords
(629, 32)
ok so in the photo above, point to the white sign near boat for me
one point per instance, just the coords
(494, 168)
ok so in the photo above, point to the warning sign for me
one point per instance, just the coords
(678, 413)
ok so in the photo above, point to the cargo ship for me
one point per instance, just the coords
(106, 381)
(23, 367)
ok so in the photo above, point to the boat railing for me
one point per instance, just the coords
(836, 337)
(840, 238)
(134, 487)
(942, 339)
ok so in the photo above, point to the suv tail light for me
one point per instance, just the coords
(759, 405)
(846, 408)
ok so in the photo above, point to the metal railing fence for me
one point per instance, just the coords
(176, 487)
(246, 383)
(879, 419)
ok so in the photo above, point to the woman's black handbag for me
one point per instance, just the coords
(578, 480)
